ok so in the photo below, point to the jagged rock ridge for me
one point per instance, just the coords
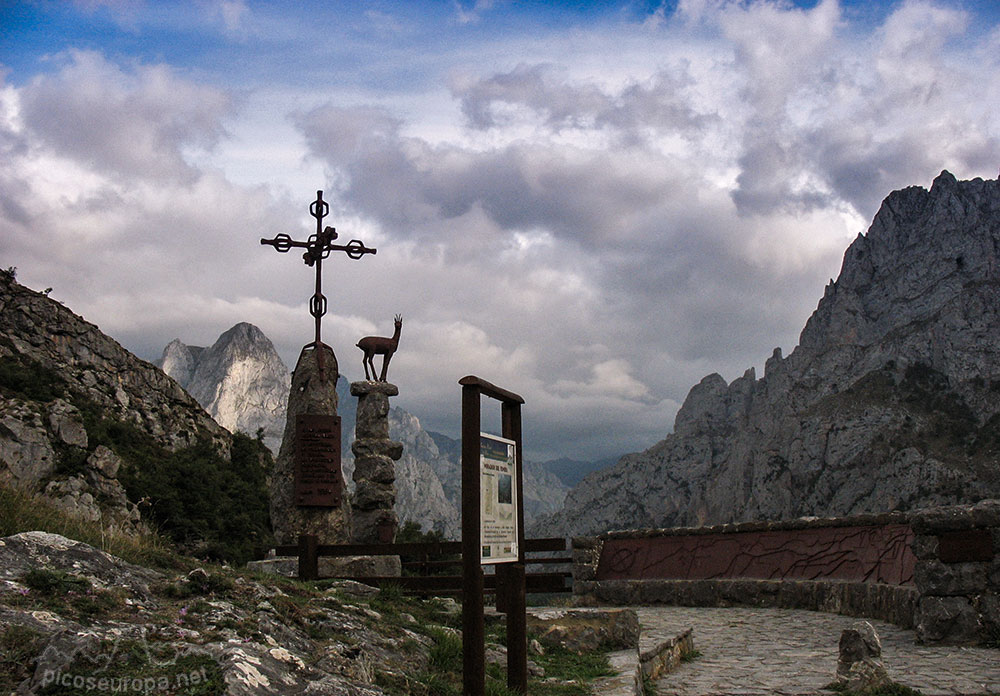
(240, 380)
(890, 401)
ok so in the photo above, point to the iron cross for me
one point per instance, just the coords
(318, 247)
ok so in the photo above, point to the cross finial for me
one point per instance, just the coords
(318, 247)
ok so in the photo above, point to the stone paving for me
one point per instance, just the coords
(753, 652)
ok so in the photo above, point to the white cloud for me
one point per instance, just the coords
(131, 124)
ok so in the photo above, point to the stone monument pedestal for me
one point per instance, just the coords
(309, 395)
(375, 519)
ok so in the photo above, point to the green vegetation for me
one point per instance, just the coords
(24, 378)
(19, 645)
(212, 507)
(690, 655)
(67, 595)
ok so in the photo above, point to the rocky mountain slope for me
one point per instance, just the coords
(101, 433)
(60, 377)
(240, 380)
(890, 401)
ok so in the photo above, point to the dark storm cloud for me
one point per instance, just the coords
(408, 183)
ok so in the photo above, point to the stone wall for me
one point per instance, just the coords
(937, 570)
(958, 573)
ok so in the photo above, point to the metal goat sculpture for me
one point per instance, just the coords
(380, 345)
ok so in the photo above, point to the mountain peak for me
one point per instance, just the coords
(240, 380)
(885, 404)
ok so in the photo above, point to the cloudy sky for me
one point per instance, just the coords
(591, 204)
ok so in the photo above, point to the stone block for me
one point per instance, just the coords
(925, 546)
(860, 658)
(368, 387)
(373, 417)
(370, 447)
(370, 496)
(282, 565)
(948, 579)
(360, 567)
(949, 620)
(942, 519)
(986, 513)
(987, 607)
(374, 468)
(586, 630)
(308, 394)
(377, 526)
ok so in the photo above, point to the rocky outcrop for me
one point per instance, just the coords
(240, 380)
(60, 379)
(889, 402)
(74, 619)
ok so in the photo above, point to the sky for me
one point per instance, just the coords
(593, 205)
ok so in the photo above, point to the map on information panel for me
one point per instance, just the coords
(498, 499)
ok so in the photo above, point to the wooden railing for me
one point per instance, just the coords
(425, 558)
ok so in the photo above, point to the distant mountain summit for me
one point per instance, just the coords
(890, 401)
(240, 380)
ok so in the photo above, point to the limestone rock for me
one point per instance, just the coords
(66, 423)
(69, 372)
(42, 330)
(26, 551)
(240, 380)
(585, 630)
(889, 402)
(26, 450)
(860, 658)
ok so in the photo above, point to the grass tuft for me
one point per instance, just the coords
(21, 511)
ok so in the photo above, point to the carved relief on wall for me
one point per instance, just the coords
(861, 554)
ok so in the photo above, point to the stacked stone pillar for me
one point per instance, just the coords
(374, 512)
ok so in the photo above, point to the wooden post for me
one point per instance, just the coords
(516, 591)
(473, 629)
(511, 590)
(308, 557)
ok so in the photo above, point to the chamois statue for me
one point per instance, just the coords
(380, 345)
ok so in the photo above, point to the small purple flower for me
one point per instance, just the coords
(184, 611)
(24, 591)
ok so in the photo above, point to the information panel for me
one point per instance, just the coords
(318, 478)
(498, 501)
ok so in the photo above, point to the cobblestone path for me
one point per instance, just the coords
(752, 652)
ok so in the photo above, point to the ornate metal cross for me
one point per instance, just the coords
(318, 247)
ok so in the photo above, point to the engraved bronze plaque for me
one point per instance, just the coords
(964, 547)
(318, 478)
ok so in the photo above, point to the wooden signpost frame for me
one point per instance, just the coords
(511, 591)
